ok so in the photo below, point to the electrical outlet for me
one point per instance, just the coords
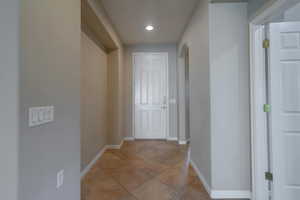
(59, 179)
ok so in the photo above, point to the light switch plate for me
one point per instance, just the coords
(33, 117)
(40, 115)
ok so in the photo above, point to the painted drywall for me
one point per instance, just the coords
(101, 13)
(101, 92)
(254, 6)
(288, 12)
(122, 92)
(229, 86)
(117, 113)
(131, 16)
(94, 100)
(50, 75)
(9, 72)
(115, 135)
(196, 37)
(181, 108)
(171, 49)
(183, 94)
(293, 13)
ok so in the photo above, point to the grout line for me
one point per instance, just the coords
(155, 177)
(124, 188)
(150, 161)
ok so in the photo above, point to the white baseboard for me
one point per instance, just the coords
(221, 194)
(182, 142)
(121, 144)
(230, 194)
(129, 139)
(172, 138)
(201, 177)
(90, 165)
(115, 146)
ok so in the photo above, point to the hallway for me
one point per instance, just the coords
(144, 170)
(150, 99)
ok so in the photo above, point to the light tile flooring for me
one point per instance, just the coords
(144, 170)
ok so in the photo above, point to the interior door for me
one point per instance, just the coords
(285, 112)
(150, 95)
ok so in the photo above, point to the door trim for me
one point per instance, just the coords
(166, 54)
(259, 18)
(258, 117)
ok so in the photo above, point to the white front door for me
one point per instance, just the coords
(150, 95)
(285, 113)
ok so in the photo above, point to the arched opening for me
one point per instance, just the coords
(184, 95)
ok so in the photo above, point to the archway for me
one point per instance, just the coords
(183, 95)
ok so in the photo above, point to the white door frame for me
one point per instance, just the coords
(133, 91)
(258, 117)
(257, 63)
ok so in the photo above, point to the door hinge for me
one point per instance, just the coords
(269, 176)
(266, 43)
(267, 108)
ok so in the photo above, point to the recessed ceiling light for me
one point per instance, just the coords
(149, 28)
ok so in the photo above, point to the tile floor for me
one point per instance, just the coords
(144, 170)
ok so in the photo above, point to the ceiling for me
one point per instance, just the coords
(169, 18)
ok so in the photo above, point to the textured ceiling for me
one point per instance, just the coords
(169, 17)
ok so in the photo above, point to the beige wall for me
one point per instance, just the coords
(94, 100)
(101, 13)
(50, 75)
(116, 74)
(114, 114)
(101, 100)
(101, 92)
